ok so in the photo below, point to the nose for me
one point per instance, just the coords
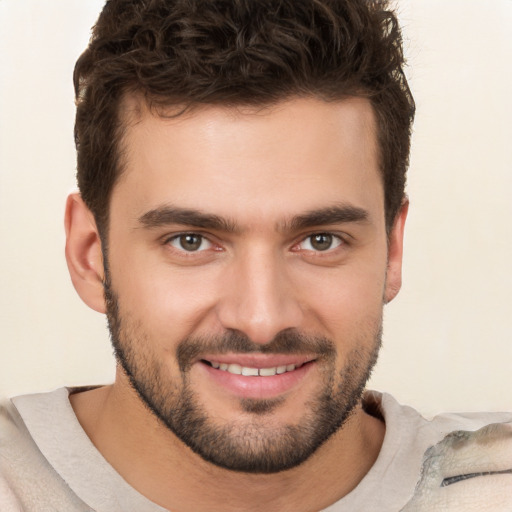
(259, 299)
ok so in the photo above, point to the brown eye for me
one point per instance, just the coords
(321, 242)
(190, 242)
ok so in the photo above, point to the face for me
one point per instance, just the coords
(248, 264)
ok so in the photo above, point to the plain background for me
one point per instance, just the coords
(447, 337)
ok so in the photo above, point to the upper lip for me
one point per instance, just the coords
(259, 360)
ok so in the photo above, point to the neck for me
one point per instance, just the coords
(158, 465)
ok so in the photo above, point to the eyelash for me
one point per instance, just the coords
(335, 239)
(168, 241)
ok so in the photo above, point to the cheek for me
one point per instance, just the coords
(346, 299)
(167, 301)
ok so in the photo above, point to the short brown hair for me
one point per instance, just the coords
(238, 52)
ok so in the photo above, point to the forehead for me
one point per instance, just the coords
(240, 160)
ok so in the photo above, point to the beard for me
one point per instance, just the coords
(257, 445)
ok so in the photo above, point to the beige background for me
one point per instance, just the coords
(447, 341)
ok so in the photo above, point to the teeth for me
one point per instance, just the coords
(267, 372)
(236, 369)
(250, 371)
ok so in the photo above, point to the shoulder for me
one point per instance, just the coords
(9, 440)
(430, 430)
(439, 456)
(27, 481)
(465, 462)
(467, 470)
(14, 436)
(485, 430)
(17, 448)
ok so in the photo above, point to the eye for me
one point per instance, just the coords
(190, 242)
(320, 242)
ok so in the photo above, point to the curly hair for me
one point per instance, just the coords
(238, 52)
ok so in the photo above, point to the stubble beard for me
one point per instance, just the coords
(254, 446)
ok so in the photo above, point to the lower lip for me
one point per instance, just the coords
(256, 387)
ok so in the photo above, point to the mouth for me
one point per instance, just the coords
(256, 376)
(248, 371)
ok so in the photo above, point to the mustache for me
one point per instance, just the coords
(288, 341)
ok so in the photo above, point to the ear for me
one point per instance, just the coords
(395, 253)
(83, 253)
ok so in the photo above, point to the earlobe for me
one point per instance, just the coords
(83, 253)
(395, 254)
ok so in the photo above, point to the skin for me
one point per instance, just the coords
(258, 169)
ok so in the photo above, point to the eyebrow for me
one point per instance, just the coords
(166, 215)
(339, 214)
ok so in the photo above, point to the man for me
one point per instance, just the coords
(240, 220)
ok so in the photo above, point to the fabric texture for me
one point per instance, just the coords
(48, 464)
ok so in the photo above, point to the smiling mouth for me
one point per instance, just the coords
(247, 371)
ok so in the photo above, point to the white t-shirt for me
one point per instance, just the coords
(47, 462)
